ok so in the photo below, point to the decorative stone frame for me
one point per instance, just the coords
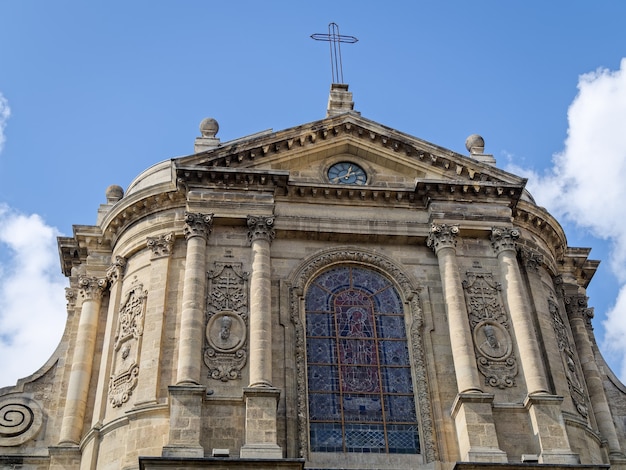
(409, 291)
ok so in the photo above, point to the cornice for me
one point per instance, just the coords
(309, 137)
(540, 223)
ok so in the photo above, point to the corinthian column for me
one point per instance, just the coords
(580, 321)
(197, 230)
(503, 242)
(261, 233)
(472, 409)
(261, 398)
(91, 289)
(442, 240)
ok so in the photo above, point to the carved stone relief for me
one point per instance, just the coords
(126, 348)
(21, 419)
(226, 331)
(326, 259)
(576, 388)
(493, 344)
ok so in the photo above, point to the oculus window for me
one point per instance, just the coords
(360, 388)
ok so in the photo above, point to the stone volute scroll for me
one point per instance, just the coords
(490, 330)
(21, 419)
(225, 353)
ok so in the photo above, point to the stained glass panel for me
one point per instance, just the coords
(359, 376)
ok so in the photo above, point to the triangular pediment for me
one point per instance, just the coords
(388, 157)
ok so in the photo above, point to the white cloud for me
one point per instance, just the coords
(32, 294)
(586, 184)
(5, 112)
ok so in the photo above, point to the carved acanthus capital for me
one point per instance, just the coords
(198, 225)
(576, 307)
(116, 270)
(70, 296)
(532, 260)
(162, 245)
(91, 288)
(261, 228)
(503, 238)
(442, 236)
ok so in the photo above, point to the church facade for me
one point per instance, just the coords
(335, 295)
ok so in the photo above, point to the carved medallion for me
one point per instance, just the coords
(226, 330)
(493, 344)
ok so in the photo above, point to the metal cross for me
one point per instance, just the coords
(335, 39)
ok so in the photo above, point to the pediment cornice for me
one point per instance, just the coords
(359, 133)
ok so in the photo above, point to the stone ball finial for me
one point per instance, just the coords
(114, 193)
(209, 128)
(475, 144)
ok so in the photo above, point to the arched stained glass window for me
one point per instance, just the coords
(360, 390)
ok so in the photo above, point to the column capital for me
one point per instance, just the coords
(198, 225)
(116, 269)
(91, 288)
(531, 259)
(503, 238)
(576, 307)
(442, 236)
(161, 246)
(261, 227)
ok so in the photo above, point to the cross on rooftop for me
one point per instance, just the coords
(334, 40)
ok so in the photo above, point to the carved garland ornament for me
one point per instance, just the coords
(576, 388)
(226, 322)
(126, 350)
(326, 259)
(490, 330)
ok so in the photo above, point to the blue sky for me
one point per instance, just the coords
(92, 93)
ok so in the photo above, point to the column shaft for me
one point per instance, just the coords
(442, 241)
(261, 234)
(503, 240)
(82, 361)
(580, 318)
(197, 229)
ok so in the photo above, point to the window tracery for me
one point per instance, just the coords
(360, 389)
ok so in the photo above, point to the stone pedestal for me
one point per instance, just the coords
(64, 457)
(476, 431)
(261, 410)
(185, 421)
(549, 428)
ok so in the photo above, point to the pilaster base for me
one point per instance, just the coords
(261, 451)
(548, 425)
(475, 428)
(261, 435)
(64, 457)
(185, 421)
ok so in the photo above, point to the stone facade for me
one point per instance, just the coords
(335, 295)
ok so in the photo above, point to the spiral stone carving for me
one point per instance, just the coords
(20, 420)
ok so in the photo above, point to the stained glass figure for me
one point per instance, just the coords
(360, 388)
